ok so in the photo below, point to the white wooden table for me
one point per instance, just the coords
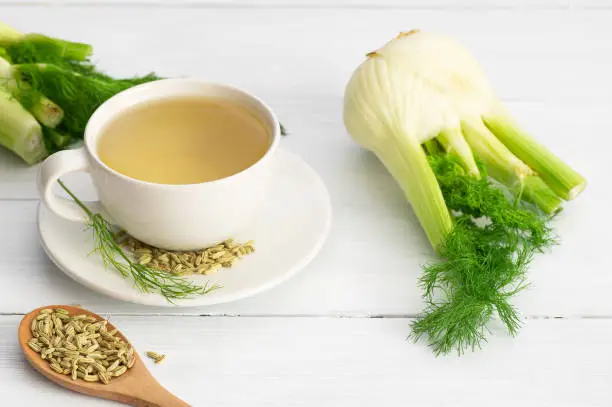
(335, 335)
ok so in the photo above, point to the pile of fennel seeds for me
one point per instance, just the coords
(206, 261)
(80, 346)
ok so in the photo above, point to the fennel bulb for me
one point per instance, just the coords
(421, 86)
(424, 106)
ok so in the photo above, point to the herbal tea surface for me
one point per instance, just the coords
(183, 141)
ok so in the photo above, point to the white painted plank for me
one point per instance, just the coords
(344, 362)
(402, 4)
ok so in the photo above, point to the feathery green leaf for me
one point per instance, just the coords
(483, 260)
(146, 279)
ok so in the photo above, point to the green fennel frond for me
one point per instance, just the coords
(78, 94)
(146, 279)
(483, 262)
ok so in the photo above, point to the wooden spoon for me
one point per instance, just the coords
(136, 387)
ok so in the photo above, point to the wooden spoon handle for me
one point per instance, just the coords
(161, 398)
(142, 390)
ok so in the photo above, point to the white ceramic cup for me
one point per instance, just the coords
(169, 216)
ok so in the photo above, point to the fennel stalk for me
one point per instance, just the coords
(19, 130)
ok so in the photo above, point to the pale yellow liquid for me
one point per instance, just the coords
(183, 141)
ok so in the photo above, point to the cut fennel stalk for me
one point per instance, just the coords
(47, 112)
(507, 169)
(563, 180)
(19, 130)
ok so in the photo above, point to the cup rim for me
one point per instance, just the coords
(104, 107)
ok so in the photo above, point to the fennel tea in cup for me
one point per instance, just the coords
(185, 140)
(178, 163)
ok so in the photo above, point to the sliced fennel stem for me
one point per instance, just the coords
(537, 192)
(408, 164)
(562, 179)
(47, 112)
(507, 169)
(19, 130)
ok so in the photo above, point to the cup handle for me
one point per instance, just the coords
(51, 170)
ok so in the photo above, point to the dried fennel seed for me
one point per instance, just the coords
(80, 346)
(206, 261)
(158, 358)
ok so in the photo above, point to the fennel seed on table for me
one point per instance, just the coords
(80, 346)
(206, 261)
(158, 358)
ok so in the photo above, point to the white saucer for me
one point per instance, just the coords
(288, 232)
